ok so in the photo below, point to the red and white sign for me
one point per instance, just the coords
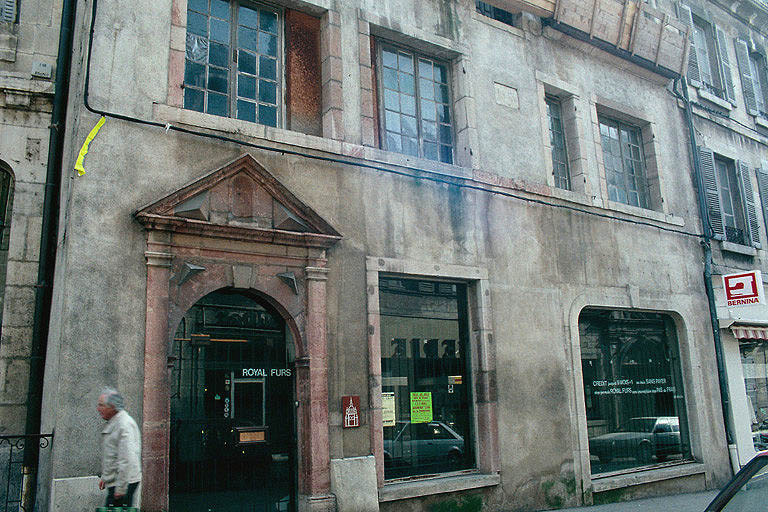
(350, 408)
(744, 289)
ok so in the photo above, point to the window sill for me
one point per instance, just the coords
(708, 96)
(614, 481)
(744, 250)
(436, 485)
(280, 136)
(761, 121)
(497, 24)
(644, 212)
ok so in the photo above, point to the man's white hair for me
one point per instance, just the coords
(114, 398)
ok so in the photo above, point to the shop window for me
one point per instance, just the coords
(425, 377)
(635, 401)
(625, 167)
(754, 361)
(506, 17)
(8, 11)
(708, 62)
(754, 79)
(415, 103)
(730, 199)
(560, 168)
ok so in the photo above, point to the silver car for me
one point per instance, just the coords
(421, 444)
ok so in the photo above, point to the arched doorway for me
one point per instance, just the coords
(233, 435)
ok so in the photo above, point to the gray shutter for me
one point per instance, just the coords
(715, 210)
(8, 13)
(748, 199)
(742, 55)
(693, 75)
(725, 66)
(762, 186)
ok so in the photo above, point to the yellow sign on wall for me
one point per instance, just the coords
(421, 407)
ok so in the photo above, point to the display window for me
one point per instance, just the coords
(633, 391)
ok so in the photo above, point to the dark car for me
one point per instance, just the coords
(641, 438)
(422, 444)
(748, 489)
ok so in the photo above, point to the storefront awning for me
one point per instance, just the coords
(750, 332)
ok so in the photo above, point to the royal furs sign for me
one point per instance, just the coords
(744, 289)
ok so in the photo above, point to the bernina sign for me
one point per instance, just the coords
(744, 289)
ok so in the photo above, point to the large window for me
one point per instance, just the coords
(557, 141)
(754, 78)
(415, 105)
(232, 63)
(633, 390)
(425, 377)
(708, 63)
(730, 201)
(624, 162)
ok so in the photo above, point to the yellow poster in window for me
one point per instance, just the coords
(421, 407)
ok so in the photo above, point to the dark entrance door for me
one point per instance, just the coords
(232, 420)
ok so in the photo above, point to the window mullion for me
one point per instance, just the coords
(417, 99)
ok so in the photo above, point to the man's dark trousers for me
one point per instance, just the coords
(122, 501)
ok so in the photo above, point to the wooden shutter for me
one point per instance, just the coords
(8, 11)
(751, 226)
(714, 209)
(693, 75)
(725, 65)
(742, 55)
(762, 186)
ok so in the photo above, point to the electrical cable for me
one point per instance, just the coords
(423, 174)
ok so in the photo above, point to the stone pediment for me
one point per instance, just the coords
(240, 201)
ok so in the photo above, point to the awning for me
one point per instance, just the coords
(750, 332)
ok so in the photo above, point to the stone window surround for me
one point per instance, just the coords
(457, 55)
(629, 299)
(330, 60)
(653, 175)
(484, 399)
(572, 126)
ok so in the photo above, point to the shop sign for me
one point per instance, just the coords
(744, 289)
(421, 407)
(266, 372)
(350, 408)
(388, 409)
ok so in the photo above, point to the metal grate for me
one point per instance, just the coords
(12, 468)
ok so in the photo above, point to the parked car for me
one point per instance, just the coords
(641, 438)
(748, 489)
(420, 444)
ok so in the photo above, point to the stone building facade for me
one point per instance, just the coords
(480, 220)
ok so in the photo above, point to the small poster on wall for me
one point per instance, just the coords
(421, 407)
(388, 409)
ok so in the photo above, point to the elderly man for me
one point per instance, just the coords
(121, 451)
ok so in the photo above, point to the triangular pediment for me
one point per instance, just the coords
(241, 200)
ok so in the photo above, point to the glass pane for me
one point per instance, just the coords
(445, 134)
(407, 84)
(441, 93)
(217, 104)
(246, 87)
(217, 79)
(408, 105)
(410, 146)
(429, 130)
(268, 68)
(198, 5)
(408, 125)
(446, 154)
(428, 110)
(268, 115)
(247, 38)
(268, 44)
(220, 9)
(444, 113)
(218, 55)
(405, 62)
(194, 74)
(193, 99)
(246, 111)
(426, 89)
(197, 24)
(220, 31)
(430, 150)
(391, 100)
(248, 17)
(268, 22)
(394, 142)
(197, 48)
(246, 62)
(392, 121)
(389, 59)
(390, 78)
(441, 73)
(425, 69)
(267, 92)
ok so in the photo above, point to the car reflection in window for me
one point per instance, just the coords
(640, 438)
(427, 446)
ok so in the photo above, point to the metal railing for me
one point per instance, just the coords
(12, 470)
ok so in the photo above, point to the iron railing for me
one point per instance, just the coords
(12, 471)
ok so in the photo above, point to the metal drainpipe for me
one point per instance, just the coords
(707, 246)
(48, 241)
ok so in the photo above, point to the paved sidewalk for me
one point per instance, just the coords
(695, 502)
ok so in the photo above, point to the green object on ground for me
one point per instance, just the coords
(117, 509)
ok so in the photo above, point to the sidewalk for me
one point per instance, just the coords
(695, 502)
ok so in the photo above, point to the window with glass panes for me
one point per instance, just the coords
(557, 141)
(415, 105)
(730, 201)
(624, 162)
(232, 60)
(758, 71)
